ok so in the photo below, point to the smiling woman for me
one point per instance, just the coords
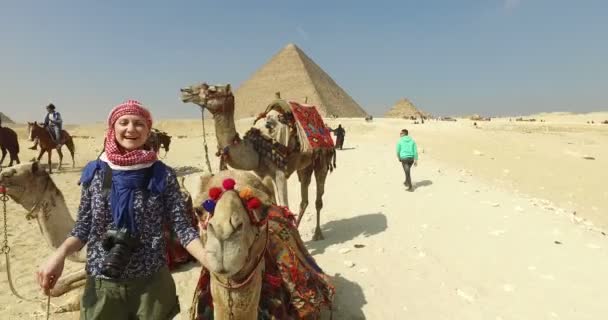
(124, 230)
(131, 132)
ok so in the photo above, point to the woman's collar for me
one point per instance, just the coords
(105, 159)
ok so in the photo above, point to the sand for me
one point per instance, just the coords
(489, 232)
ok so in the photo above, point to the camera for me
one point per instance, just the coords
(119, 244)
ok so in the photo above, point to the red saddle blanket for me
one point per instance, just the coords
(294, 287)
(311, 125)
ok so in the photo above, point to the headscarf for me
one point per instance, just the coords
(133, 170)
(116, 154)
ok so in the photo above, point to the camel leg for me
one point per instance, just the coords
(69, 283)
(280, 181)
(304, 176)
(72, 303)
(60, 158)
(321, 169)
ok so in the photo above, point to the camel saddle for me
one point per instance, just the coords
(304, 121)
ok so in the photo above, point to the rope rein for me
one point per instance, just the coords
(205, 141)
(6, 249)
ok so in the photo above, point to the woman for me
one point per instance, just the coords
(127, 194)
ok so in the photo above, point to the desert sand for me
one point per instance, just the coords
(489, 233)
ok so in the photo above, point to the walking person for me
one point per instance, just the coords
(339, 132)
(407, 154)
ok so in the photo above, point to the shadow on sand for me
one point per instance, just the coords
(423, 183)
(349, 299)
(343, 149)
(186, 170)
(340, 231)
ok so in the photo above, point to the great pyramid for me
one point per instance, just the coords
(4, 119)
(292, 73)
(404, 108)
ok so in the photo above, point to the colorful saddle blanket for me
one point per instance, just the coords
(311, 127)
(294, 287)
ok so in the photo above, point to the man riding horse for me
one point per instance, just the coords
(53, 123)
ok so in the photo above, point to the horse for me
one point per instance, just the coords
(9, 141)
(157, 139)
(47, 144)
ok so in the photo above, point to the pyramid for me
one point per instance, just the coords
(5, 120)
(292, 73)
(404, 108)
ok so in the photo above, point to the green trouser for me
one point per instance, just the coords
(150, 298)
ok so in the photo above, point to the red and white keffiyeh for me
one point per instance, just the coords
(115, 153)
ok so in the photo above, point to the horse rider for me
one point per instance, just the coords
(53, 123)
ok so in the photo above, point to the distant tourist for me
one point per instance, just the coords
(339, 132)
(407, 154)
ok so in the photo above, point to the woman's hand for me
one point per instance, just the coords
(49, 273)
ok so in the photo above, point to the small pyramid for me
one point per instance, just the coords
(292, 73)
(404, 108)
(5, 120)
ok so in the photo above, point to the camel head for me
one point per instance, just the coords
(24, 182)
(234, 236)
(215, 98)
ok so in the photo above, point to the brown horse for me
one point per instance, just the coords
(8, 141)
(157, 139)
(47, 144)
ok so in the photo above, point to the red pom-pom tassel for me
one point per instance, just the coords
(214, 193)
(228, 184)
(253, 203)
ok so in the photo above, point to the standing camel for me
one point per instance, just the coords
(9, 141)
(241, 153)
(47, 144)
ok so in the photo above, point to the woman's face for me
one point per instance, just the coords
(131, 132)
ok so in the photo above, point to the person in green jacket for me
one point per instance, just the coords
(407, 154)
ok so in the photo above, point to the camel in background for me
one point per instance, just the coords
(241, 154)
(157, 140)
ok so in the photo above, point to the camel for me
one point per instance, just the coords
(240, 153)
(237, 237)
(9, 141)
(157, 140)
(33, 188)
(47, 144)
(235, 247)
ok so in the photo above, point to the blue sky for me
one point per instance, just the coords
(495, 57)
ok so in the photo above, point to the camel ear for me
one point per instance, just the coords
(228, 88)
